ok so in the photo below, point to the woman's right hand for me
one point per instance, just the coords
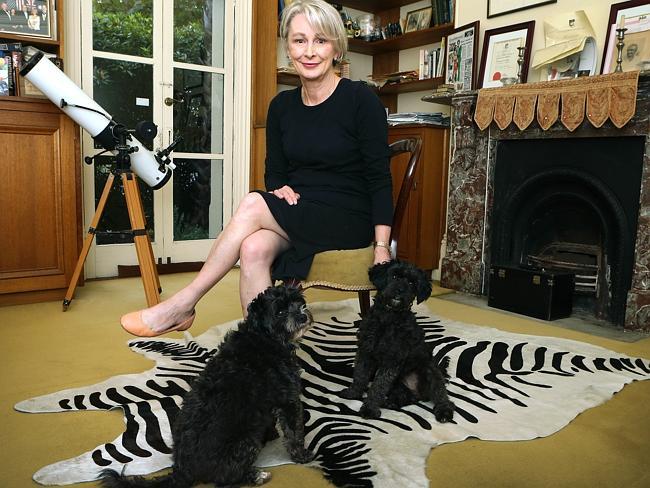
(286, 193)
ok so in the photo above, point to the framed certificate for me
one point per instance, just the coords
(499, 64)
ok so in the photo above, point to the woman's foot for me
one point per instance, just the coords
(133, 324)
(164, 317)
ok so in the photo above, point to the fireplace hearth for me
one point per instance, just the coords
(556, 200)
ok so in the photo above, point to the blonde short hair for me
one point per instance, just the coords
(322, 17)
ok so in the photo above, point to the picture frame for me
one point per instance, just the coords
(28, 89)
(500, 54)
(503, 7)
(634, 15)
(425, 18)
(38, 25)
(416, 19)
(461, 52)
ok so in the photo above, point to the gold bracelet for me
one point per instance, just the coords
(382, 244)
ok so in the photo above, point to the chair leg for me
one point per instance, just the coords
(364, 302)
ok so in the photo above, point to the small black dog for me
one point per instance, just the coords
(252, 381)
(392, 352)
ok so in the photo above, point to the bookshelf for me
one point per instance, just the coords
(405, 41)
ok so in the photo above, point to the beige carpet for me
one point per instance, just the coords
(606, 446)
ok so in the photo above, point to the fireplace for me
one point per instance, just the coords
(554, 200)
(571, 205)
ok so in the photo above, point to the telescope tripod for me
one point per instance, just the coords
(146, 258)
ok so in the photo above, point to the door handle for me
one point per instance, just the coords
(169, 101)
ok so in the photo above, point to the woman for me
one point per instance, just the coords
(327, 175)
(34, 20)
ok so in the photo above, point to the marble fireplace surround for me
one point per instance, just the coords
(471, 192)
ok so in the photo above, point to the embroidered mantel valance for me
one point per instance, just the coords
(612, 95)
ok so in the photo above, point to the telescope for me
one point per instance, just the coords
(155, 169)
(131, 156)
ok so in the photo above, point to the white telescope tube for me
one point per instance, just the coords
(57, 86)
(62, 91)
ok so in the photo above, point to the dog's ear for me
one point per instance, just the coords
(424, 287)
(378, 274)
(257, 307)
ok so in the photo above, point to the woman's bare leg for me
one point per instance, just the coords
(251, 216)
(257, 253)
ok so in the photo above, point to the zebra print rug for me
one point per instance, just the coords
(505, 386)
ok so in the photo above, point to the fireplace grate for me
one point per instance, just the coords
(583, 260)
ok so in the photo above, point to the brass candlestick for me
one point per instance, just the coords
(520, 62)
(620, 42)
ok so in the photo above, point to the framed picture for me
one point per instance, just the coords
(34, 19)
(460, 57)
(502, 7)
(27, 89)
(418, 19)
(634, 15)
(499, 64)
(425, 18)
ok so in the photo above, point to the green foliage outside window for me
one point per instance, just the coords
(126, 27)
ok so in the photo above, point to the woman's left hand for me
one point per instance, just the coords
(287, 194)
(381, 255)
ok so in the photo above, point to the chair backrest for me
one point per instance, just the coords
(412, 145)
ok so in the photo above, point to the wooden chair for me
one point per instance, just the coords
(347, 269)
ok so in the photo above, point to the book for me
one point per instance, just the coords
(17, 59)
(421, 65)
(435, 14)
(4, 75)
(10, 66)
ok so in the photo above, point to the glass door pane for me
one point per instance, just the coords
(123, 27)
(124, 89)
(198, 118)
(198, 32)
(198, 193)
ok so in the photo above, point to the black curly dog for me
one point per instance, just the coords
(251, 382)
(392, 352)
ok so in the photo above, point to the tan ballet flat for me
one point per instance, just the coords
(132, 323)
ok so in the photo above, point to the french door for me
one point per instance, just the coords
(169, 62)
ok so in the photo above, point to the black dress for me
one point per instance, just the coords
(336, 156)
